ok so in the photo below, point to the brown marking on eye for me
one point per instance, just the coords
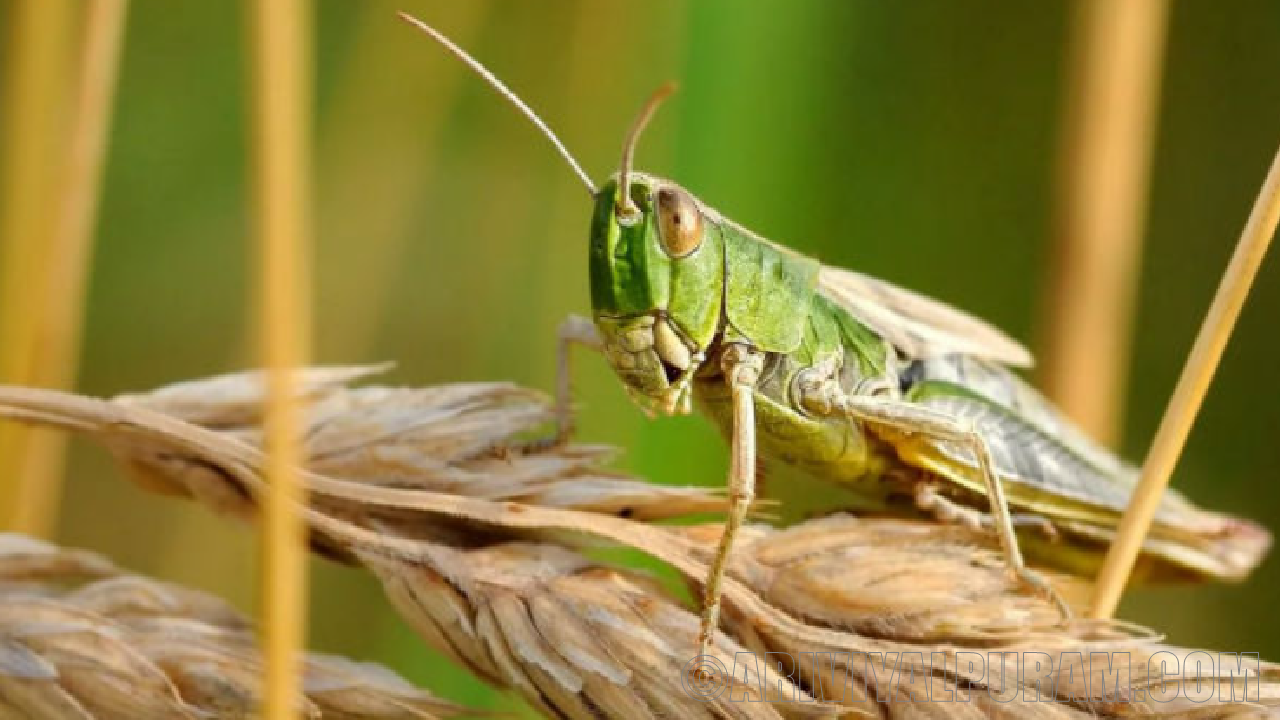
(679, 222)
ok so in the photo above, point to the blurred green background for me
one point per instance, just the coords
(913, 141)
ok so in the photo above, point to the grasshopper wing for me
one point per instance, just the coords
(1081, 490)
(918, 326)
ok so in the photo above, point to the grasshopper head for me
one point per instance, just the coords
(657, 284)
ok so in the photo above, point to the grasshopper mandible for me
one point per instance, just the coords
(906, 401)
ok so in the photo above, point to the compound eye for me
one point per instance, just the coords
(679, 222)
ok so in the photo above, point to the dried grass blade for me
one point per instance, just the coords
(80, 638)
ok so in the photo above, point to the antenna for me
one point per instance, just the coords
(506, 92)
(628, 208)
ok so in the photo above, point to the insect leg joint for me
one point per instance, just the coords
(742, 365)
(816, 389)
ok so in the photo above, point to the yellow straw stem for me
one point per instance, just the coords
(35, 69)
(60, 316)
(1190, 392)
(72, 245)
(1105, 159)
(282, 102)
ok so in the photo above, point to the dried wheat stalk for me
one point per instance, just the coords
(476, 530)
(81, 639)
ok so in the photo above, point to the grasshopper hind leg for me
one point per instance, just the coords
(929, 500)
(894, 417)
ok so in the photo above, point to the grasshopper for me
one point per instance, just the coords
(910, 403)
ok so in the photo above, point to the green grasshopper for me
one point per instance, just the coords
(909, 403)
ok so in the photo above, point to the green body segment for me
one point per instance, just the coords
(769, 291)
(826, 446)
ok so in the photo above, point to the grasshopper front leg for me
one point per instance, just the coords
(575, 330)
(910, 419)
(741, 365)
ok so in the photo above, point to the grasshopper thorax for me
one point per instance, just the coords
(657, 285)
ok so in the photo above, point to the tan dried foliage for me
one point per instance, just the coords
(481, 532)
(83, 640)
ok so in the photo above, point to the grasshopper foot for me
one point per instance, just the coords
(1037, 583)
(565, 427)
(560, 438)
(565, 418)
(710, 620)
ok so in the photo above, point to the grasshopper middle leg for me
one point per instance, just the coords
(911, 419)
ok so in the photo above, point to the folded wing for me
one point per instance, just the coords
(918, 326)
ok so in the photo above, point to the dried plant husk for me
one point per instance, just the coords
(462, 439)
(81, 639)
(480, 533)
(576, 639)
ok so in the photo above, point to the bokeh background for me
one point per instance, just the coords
(914, 141)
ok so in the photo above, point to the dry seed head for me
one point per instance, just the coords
(27, 559)
(474, 439)
(569, 635)
(500, 586)
(122, 647)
